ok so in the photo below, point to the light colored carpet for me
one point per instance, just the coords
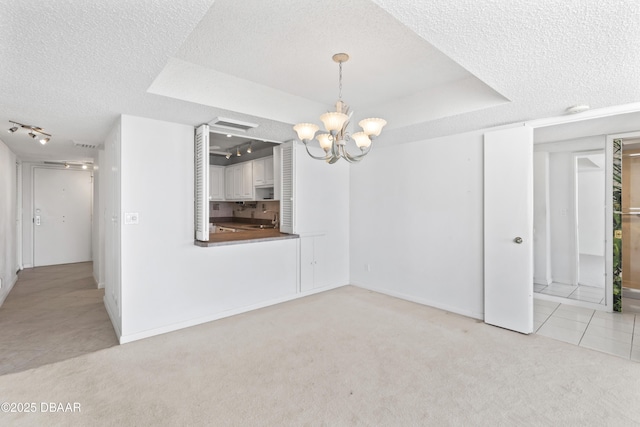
(343, 357)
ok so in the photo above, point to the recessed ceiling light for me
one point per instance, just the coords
(577, 109)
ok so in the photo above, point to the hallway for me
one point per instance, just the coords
(52, 314)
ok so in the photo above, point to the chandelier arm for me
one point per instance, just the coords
(326, 157)
(357, 157)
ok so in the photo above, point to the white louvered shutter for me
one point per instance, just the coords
(202, 182)
(287, 205)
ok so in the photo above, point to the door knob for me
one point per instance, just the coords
(518, 240)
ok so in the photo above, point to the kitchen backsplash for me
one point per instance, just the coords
(232, 209)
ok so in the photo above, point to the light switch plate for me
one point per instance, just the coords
(131, 218)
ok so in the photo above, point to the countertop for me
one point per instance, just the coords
(244, 236)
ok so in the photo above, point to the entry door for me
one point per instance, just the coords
(508, 229)
(62, 216)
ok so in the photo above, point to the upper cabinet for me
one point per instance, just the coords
(263, 172)
(216, 183)
(239, 182)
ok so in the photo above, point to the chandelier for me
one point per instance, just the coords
(334, 143)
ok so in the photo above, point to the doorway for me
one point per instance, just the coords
(570, 221)
(62, 205)
(630, 223)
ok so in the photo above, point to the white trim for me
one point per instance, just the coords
(27, 266)
(424, 301)
(587, 115)
(227, 313)
(4, 297)
(113, 318)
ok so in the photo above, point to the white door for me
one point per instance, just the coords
(62, 216)
(508, 229)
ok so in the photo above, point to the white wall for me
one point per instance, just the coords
(97, 228)
(167, 282)
(541, 232)
(417, 222)
(8, 216)
(322, 209)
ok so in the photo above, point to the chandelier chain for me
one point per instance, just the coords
(340, 82)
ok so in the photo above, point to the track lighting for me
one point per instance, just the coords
(66, 165)
(228, 156)
(84, 166)
(249, 149)
(34, 131)
(238, 152)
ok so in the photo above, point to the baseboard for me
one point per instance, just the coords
(4, 296)
(630, 293)
(424, 301)
(101, 285)
(221, 315)
(27, 266)
(115, 319)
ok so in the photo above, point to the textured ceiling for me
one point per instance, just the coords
(71, 66)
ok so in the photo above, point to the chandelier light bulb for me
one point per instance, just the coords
(373, 126)
(362, 140)
(333, 121)
(325, 141)
(306, 131)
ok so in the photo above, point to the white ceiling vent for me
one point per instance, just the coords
(221, 122)
(85, 145)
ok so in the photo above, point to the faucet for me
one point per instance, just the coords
(276, 220)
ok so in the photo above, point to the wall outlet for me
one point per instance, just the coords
(131, 218)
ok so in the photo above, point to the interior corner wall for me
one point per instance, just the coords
(8, 215)
(417, 222)
(167, 282)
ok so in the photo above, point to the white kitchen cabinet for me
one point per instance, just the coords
(228, 183)
(216, 183)
(239, 182)
(277, 172)
(247, 180)
(263, 172)
(312, 264)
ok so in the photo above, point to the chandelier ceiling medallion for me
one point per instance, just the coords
(334, 143)
(34, 131)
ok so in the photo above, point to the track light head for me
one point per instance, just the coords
(33, 135)
(238, 152)
(249, 149)
(84, 166)
(44, 140)
(66, 165)
(13, 129)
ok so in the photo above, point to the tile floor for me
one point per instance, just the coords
(580, 293)
(613, 333)
(52, 313)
